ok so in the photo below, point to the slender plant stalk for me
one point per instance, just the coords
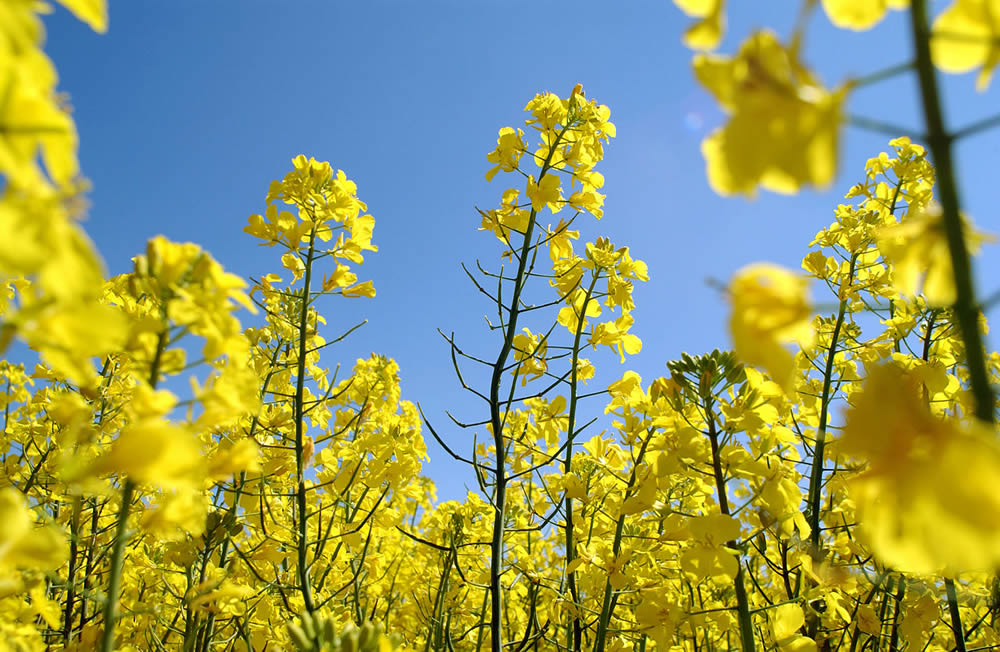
(819, 449)
(497, 423)
(607, 605)
(894, 634)
(575, 630)
(956, 617)
(117, 561)
(437, 629)
(965, 308)
(302, 564)
(74, 534)
(939, 140)
(742, 602)
(121, 529)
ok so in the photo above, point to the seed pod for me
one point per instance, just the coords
(308, 625)
(367, 635)
(299, 638)
(329, 632)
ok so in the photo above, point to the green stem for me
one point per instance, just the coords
(302, 564)
(881, 75)
(819, 449)
(965, 308)
(894, 635)
(117, 561)
(497, 422)
(74, 536)
(939, 141)
(575, 633)
(121, 530)
(956, 616)
(742, 602)
(606, 606)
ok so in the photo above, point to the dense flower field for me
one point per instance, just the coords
(175, 480)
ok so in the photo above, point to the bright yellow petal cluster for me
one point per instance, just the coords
(925, 500)
(783, 128)
(770, 307)
(967, 36)
(860, 15)
(707, 31)
(918, 249)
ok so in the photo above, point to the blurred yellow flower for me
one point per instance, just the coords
(783, 128)
(706, 32)
(926, 501)
(860, 15)
(966, 36)
(918, 250)
(770, 307)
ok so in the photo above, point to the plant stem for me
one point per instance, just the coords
(742, 603)
(965, 308)
(956, 617)
(302, 564)
(575, 634)
(497, 423)
(121, 530)
(606, 606)
(939, 141)
(117, 561)
(881, 75)
(816, 476)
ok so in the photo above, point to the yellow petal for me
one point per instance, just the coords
(855, 14)
(69, 337)
(784, 129)
(965, 36)
(366, 289)
(787, 619)
(241, 456)
(925, 503)
(23, 545)
(92, 12)
(152, 451)
(770, 307)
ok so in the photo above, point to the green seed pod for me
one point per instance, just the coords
(308, 625)
(367, 635)
(329, 632)
(299, 638)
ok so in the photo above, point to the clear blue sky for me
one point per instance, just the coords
(187, 110)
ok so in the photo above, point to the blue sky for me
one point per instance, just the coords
(187, 110)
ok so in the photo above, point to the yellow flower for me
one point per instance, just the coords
(69, 336)
(21, 543)
(967, 35)
(545, 193)
(706, 32)
(926, 501)
(615, 334)
(510, 147)
(860, 15)
(92, 12)
(918, 249)
(657, 616)
(770, 306)
(783, 127)
(150, 450)
(530, 351)
(366, 289)
(786, 622)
